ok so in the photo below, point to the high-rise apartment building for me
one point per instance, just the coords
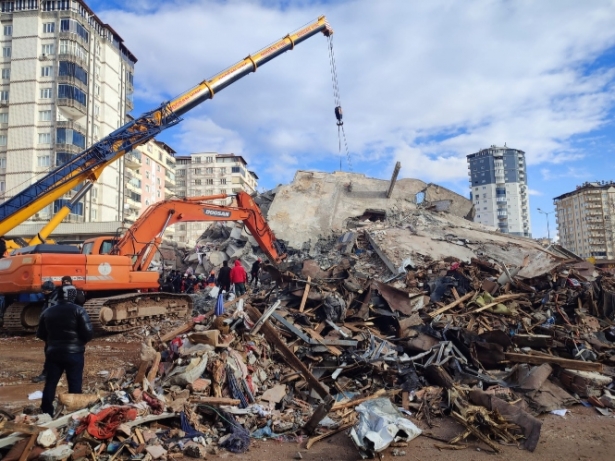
(585, 220)
(149, 176)
(208, 173)
(66, 82)
(498, 185)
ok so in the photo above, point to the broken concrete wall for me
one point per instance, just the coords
(317, 205)
(450, 201)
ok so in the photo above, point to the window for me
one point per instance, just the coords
(6, 52)
(8, 30)
(97, 70)
(96, 110)
(236, 169)
(197, 171)
(209, 159)
(44, 161)
(158, 167)
(4, 117)
(95, 130)
(222, 191)
(44, 138)
(197, 182)
(44, 115)
(158, 181)
(69, 136)
(72, 92)
(45, 93)
(209, 170)
(209, 181)
(197, 159)
(223, 181)
(73, 70)
(6, 74)
(97, 89)
(197, 192)
(70, 25)
(2, 186)
(46, 71)
(4, 96)
(146, 188)
(49, 27)
(147, 202)
(149, 147)
(3, 140)
(158, 194)
(48, 49)
(222, 170)
(147, 174)
(147, 162)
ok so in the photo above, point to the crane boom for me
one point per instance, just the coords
(88, 165)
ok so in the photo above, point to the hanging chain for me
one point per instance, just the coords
(341, 134)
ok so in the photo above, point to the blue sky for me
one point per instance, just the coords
(423, 82)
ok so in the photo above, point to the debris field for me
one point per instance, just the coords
(377, 330)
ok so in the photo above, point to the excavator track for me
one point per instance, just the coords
(122, 313)
(22, 317)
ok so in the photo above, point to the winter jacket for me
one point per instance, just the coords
(224, 276)
(238, 273)
(65, 328)
(255, 267)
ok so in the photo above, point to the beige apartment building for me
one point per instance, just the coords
(149, 177)
(585, 219)
(66, 82)
(209, 173)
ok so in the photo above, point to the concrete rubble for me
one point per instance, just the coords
(399, 309)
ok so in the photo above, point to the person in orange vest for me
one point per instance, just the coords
(211, 280)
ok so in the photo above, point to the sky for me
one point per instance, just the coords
(423, 82)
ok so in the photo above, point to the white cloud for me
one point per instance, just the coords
(569, 173)
(422, 82)
(534, 192)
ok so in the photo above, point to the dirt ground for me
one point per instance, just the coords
(582, 435)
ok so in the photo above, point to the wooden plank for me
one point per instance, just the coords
(20, 427)
(141, 373)
(177, 331)
(305, 294)
(215, 400)
(151, 376)
(451, 305)
(26, 451)
(354, 403)
(334, 350)
(564, 363)
(320, 437)
(405, 400)
(498, 300)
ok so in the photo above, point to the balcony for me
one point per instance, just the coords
(70, 80)
(81, 62)
(68, 148)
(501, 199)
(133, 160)
(73, 108)
(72, 125)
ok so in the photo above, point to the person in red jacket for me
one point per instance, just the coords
(239, 278)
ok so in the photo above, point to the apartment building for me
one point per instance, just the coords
(66, 82)
(585, 219)
(209, 173)
(498, 189)
(149, 176)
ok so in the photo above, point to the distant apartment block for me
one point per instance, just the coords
(209, 173)
(149, 177)
(585, 219)
(66, 82)
(499, 192)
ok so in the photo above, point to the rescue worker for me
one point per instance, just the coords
(224, 277)
(239, 278)
(65, 328)
(48, 289)
(256, 268)
(211, 280)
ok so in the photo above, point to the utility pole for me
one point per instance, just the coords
(547, 213)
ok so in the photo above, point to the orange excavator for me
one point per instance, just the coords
(121, 293)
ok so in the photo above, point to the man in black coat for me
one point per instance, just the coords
(50, 293)
(224, 277)
(66, 329)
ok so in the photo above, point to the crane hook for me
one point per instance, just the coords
(338, 115)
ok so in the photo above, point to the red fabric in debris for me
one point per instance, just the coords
(104, 424)
(155, 404)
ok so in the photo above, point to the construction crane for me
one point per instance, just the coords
(87, 167)
(121, 292)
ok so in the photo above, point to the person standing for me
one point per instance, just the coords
(256, 268)
(2, 247)
(239, 278)
(224, 277)
(50, 293)
(66, 329)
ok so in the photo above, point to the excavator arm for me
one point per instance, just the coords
(142, 238)
(88, 166)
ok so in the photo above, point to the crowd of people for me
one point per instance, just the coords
(228, 279)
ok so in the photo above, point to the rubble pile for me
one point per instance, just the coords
(339, 343)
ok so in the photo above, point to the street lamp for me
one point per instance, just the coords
(547, 213)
